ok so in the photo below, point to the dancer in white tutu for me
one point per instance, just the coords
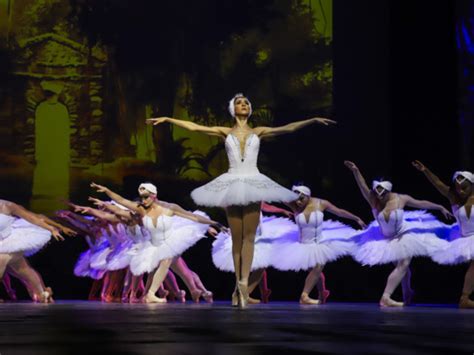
(23, 233)
(460, 248)
(241, 190)
(396, 236)
(312, 242)
(172, 231)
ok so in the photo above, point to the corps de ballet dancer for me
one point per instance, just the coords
(241, 190)
(172, 231)
(396, 236)
(23, 233)
(313, 242)
(460, 248)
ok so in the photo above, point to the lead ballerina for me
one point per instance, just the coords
(241, 190)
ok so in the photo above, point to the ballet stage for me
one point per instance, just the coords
(78, 327)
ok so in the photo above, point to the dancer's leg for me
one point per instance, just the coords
(157, 279)
(310, 282)
(393, 280)
(468, 288)
(323, 293)
(26, 273)
(234, 219)
(182, 270)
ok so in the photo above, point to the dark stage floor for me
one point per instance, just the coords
(78, 327)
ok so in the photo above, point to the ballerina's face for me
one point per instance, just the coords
(380, 193)
(302, 200)
(242, 106)
(462, 186)
(146, 197)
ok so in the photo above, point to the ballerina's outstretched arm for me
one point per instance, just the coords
(112, 208)
(109, 217)
(423, 204)
(63, 229)
(266, 207)
(117, 198)
(31, 217)
(267, 132)
(435, 181)
(181, 212)
(364, 189)
(191, 126)
(328, 206)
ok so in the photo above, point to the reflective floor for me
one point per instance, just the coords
(79, 327)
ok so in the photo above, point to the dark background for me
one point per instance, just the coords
(396, 98)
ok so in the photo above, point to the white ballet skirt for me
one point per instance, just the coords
(83, 265)
(269, 229)
(20, 236)
(243, 183)
(98, 258)
(313, 242)
(460, 248)
(170, 237)
(406, 234)
(119, 258)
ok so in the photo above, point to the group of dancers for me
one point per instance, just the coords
(129, 239)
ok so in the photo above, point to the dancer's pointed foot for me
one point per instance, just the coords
(465, 302)
(50, 291)
(254, 300)
(196, 295)
(235, 297)
(305, 299)
(266, 295)
(151, 298)
(181, 296)
(243, 293)
(386, 301)
(12, 294)
(208, 296)
(163, 293)
(323, 296)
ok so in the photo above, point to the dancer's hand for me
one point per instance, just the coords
(418, 165)
(446, 213)
(156, 121)
(325, 121)
(361, 223)
(352, 167)
(212, 232)
(56, 235)
(99, 188)
(97, 202)
(82, 209)
(288, 214)
(68, 231)
(63, 213)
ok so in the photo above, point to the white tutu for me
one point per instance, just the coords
(170, 238)
(243, 183)
(419, 234)
(271, 228)
(120, 257)
(333, 243)
(20, 236)
(98, 259)
(459, 249)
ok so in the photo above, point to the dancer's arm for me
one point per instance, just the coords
(435, 181)
(364, 189)
(267, 132)
(423, 204)
(72, 218)
(181, 212)
(191, 126)
(117, 198)
(109, 217)
(31, 217)
(63, 229)
(273, 209)
(111, 207)
(328, 206)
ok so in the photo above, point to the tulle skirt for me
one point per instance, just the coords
(184, 234)
(25, 238)
(83, 267)
(239, 190)
(459, 249)
(333, 243)
(421, 235)
(272, 228)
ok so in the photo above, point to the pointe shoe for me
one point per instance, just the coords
(305, 299)
(44, 297)
(323, 296)
(243, 294)
(235, 298)
(50, 291)
(181, 296)
(12, 294)
(386, 301)
(196, 295)
(208, 296)
(465, 302)
(151, 298)
(266, 295)
(163, 293)
(253, 300)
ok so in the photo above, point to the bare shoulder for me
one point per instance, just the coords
(261, 130)
(7, 207)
